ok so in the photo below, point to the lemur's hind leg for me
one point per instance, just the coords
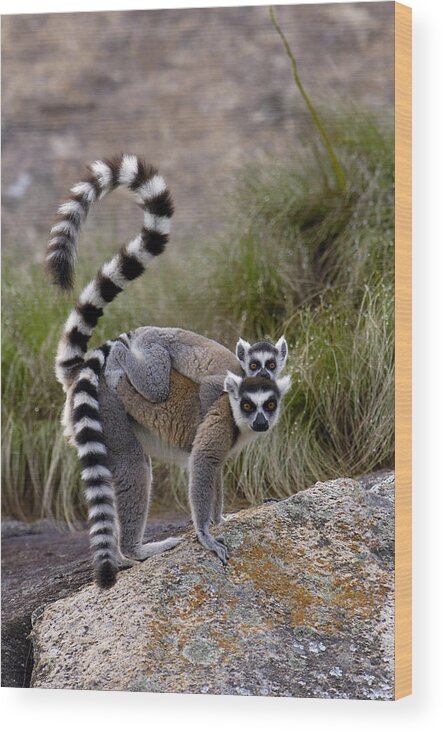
(217, 506)
(133, 477)
(132, 481)
(147, 367)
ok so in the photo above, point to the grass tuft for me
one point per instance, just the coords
(302, 257)
(339, 174)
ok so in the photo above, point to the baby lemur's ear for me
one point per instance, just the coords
(282, 348)
(241, 349)
(232, 383)
(284, 384)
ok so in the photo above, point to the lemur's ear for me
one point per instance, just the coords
(241, 350)
(282, 348)
(232, 383)
(284, 384)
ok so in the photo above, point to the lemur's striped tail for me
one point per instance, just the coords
(72, 368)
(154, 198)
(91, 449)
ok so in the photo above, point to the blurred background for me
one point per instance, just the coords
(264, 242)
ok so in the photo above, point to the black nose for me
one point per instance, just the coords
(260, 423)
(265, 373)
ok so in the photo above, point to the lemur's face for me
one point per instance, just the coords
(262, 358)
(256, 401)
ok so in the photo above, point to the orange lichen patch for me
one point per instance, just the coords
(157, 632)
(232, 601)
(269, 566)
(200, 606)
(233, 644)
(315, 596)
(296, 579)
(227, 643)
(197, 598)
(303, 603)
(356, 597)
(355, 532)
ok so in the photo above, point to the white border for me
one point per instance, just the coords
(54, 710)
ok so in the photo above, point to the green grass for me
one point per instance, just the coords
(301, 236)
(301, 257)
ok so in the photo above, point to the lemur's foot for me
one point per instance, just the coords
(216, 520)
(214, 545)
(126, 563)
(144, 551)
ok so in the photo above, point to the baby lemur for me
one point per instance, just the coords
(162, 392)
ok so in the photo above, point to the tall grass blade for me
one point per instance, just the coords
(339, 173)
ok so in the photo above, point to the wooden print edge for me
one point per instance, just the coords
(403, 351)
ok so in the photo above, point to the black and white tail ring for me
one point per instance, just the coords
(152, 195)
(73, 367)
(97, 478)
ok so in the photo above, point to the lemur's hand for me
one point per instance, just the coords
(116, 364)
(214, 545)
(120, 351)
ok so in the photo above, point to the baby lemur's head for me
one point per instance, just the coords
(256, 401)
(262, 358)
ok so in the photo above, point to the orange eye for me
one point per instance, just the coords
(247, 407)
(270, 406)
(254, 366)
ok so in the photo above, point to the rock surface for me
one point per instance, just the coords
(304, 608)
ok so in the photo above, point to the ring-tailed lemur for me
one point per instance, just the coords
(145, 356)
(178, 431)
(262, 358)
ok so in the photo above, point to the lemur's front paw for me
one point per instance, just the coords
(214, 545)
(114, 378)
